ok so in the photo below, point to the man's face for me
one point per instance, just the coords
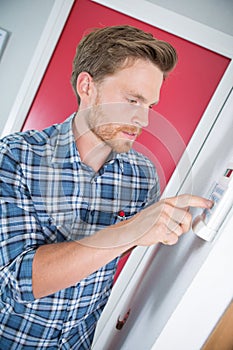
(122, 102)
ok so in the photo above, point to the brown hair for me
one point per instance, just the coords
(104, 51)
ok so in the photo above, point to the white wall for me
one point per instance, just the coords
(213, 13)
(25, 21)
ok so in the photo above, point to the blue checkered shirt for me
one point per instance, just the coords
(48, 195)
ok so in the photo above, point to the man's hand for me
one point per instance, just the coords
(166, 220)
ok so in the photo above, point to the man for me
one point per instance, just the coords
(75, 197)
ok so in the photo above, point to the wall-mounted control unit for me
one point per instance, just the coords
(208, 223)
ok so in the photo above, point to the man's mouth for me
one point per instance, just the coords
(129, 135)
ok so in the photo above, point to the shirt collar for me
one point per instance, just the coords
(64, 147)
(114, 156)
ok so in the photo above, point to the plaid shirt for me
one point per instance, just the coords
(48, 195)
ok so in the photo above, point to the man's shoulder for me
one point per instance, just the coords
(20, 143)
(32, 140)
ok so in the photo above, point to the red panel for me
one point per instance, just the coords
(185, 94)
(184, 97)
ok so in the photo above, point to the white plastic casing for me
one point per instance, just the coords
(208, 223)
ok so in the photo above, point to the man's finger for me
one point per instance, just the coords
(187, 200)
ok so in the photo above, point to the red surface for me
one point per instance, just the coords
(184, 97)
(185, 94)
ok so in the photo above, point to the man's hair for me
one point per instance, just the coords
(106, 50)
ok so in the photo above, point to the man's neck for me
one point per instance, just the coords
(93, 152)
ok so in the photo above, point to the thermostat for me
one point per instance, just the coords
(208, 223)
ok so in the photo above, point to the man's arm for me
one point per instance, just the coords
(60, 265)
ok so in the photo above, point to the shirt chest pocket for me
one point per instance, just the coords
(88, 218)
(84, 221)
(62, 224)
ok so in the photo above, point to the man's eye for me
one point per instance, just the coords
(132, 101)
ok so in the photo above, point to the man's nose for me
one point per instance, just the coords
(141, 117)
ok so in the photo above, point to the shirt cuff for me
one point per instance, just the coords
(23, 280)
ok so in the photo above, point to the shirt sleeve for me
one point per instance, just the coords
(20, 230)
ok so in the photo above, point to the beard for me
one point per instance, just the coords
(112, 133)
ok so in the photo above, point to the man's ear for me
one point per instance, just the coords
(84, 86)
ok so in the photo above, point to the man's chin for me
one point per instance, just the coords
(120, 146)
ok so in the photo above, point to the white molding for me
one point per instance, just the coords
(174, 23)
(37, 67)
